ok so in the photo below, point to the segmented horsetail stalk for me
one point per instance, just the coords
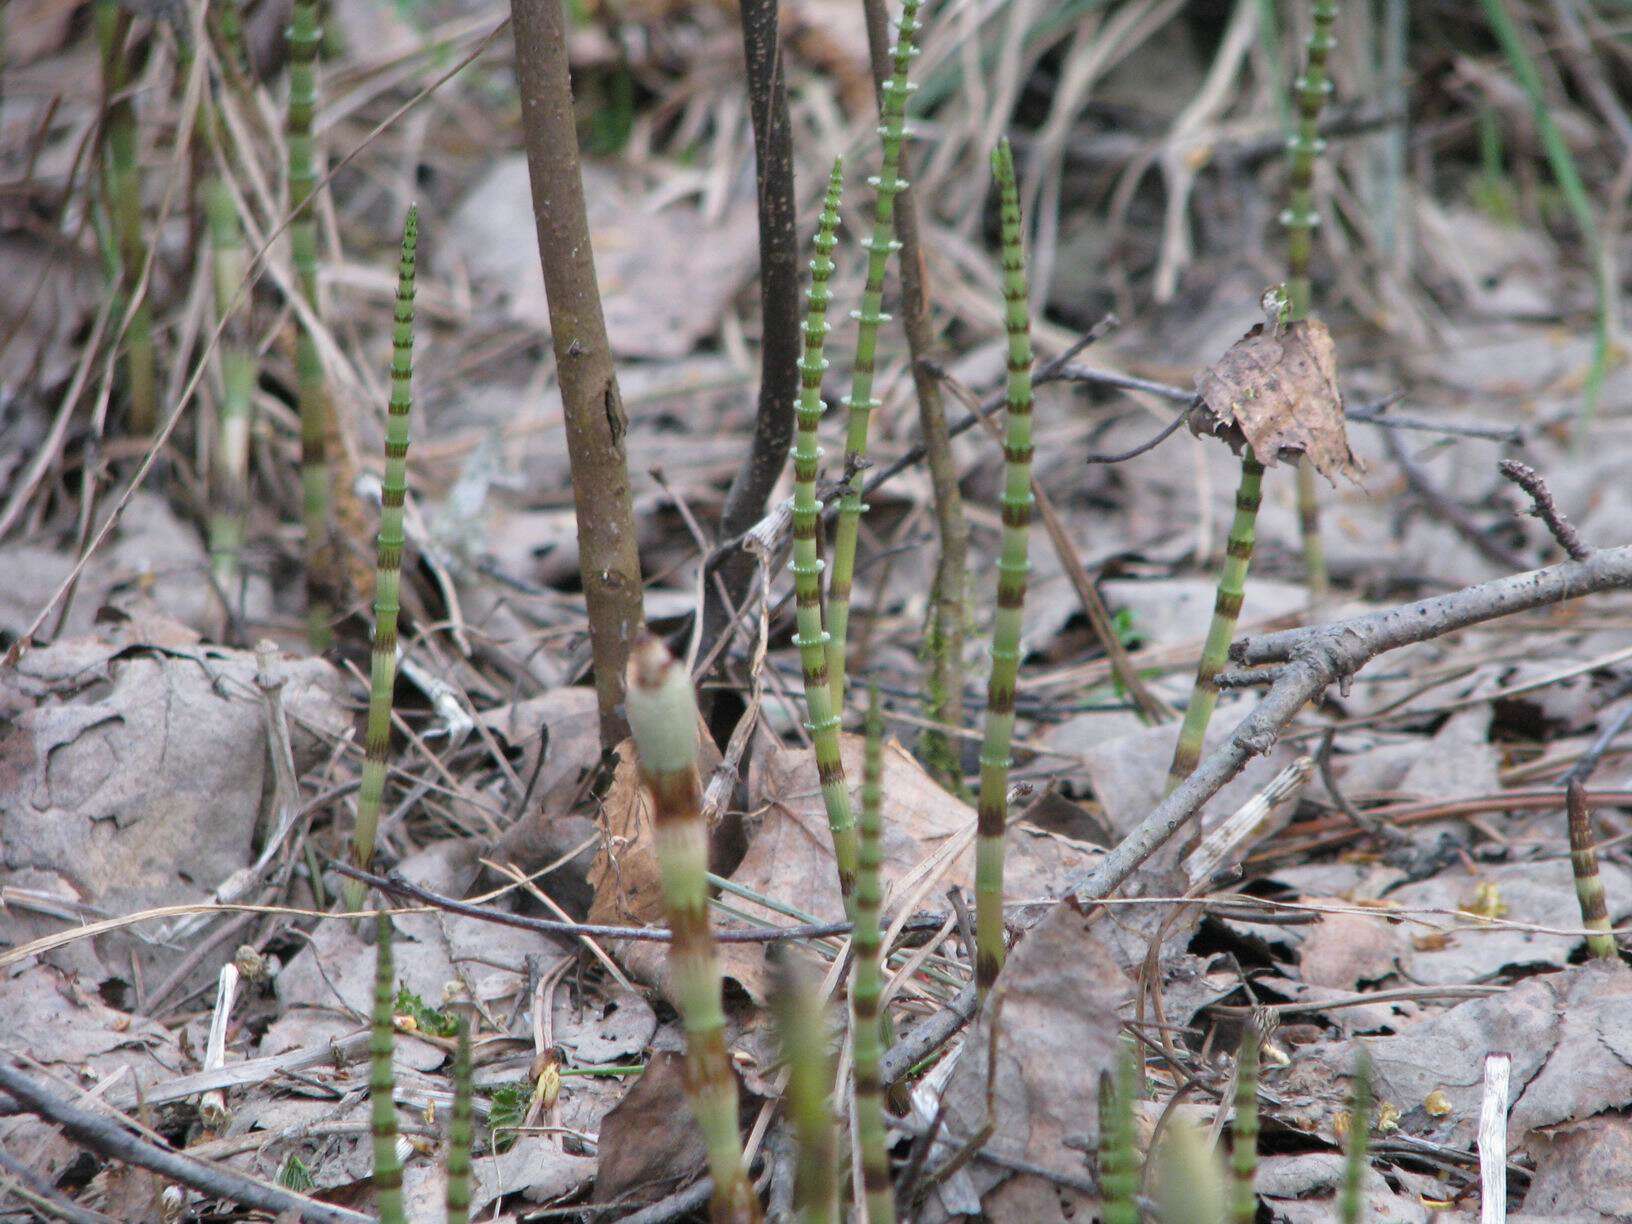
(1589, 885)
(1244, 1136)
(803, 1037)
(1232, 585)
(1300, 219)
(388, 578)
(806, 565)
(231, 482)
(1118, 1165)
(867, 981)
(662, 708)
(1351, 1198)
(861, 402)
(381, 1086)
(460, 1132)
(1012, 568)
(1189, 1183)
(122, 200)
(304, 36)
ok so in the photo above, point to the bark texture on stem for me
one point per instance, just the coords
(591, 403)
(779, 302)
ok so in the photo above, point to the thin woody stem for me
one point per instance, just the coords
(388, 579)
(861, 402)
(662, 707)
(1012, 567)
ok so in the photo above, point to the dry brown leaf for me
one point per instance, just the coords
(1276, 389)
(1063, 997)
(1584, 1171)
(650, 1140)
(625, 875)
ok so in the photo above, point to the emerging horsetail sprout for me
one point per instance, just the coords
(861, 402)
(867, 981)
(1012, 567)
(1244, 1139)
(1589, 885)
(122, 200)
(1118, 1165)
(806, 565)
(231, 483)
(460, 1132)
(393, 491)
(662, 708)
(304, 36)
(1351, 1202)
(1300, 219)
(381, 1087)
(803, 1037)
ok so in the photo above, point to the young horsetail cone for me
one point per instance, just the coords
(1012, 568)
(662, 709)
(1589, 884)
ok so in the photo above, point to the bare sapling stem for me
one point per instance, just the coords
(312, 393)
(867, 982)
(1589, 885)
(802, 1035)
(122, 202)
(388, 578)
(663, 718)
(1012, 567)
(382, 1105)
(609, 559)
(861, 402)
(807, 566)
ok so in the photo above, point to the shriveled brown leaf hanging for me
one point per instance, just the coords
(1276, 389)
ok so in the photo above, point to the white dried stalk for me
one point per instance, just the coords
(1493, 1141)
(212, 1105)
(1219, 846)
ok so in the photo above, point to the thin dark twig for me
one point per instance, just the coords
(1451, 510)
(1371, 824)
(54, 1203)
(1167, 432)
(107, 1138)
(1544, 507)
(399, 886)
(1582, 769)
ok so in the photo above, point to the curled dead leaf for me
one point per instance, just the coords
(1276, 390)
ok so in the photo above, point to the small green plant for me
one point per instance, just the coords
(802, 1035)
(381, 1085)
(1012, 567)
(807, 565)
(294, 1175)
(1118, 1162)
(305, 35)
(393, 492)
(861, 402)
(867, 981)
(426, 1019)
(507, 1106)
(1589, 885)
(662, 708)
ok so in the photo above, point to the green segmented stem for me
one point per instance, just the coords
(806, 565)
(662, 708)
(388, 578)
(122, 199)
(1304, 146)
(1300, 218)
(304, 36)
(381, 1086)
(1232, 583)
(860, 402)
(867, 980)
(461, 1131)
(1189, 1184)
(992, 811)
(1118, 1165)
(1351, 1198)
(238, 373)
(803, 1038)
(1589, 885)
(1244, 1140)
